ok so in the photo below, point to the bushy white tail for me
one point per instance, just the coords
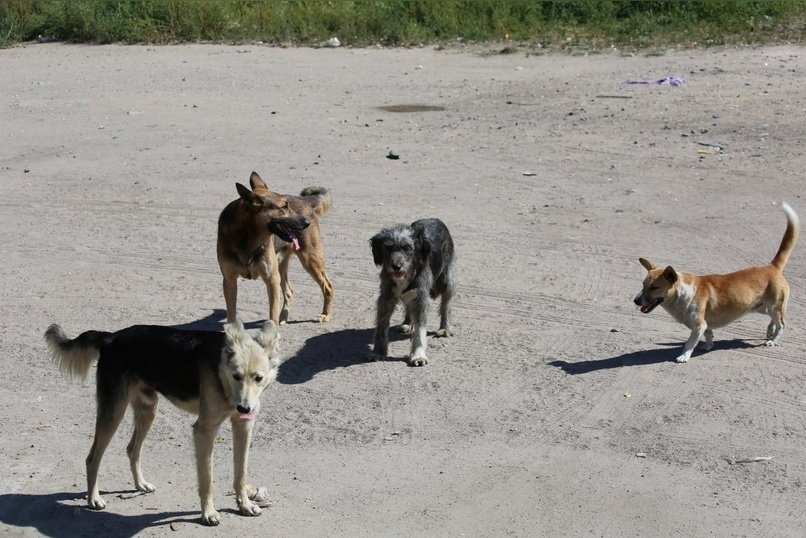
(74, 357)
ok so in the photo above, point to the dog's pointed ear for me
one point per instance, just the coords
(268, 335)
(255, 181)
(233, 330)
(248, 196)
(376, 243)
(648, 265)
(670, 274)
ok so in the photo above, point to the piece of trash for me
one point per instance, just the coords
(712, 145)
(627, 395)
(332, 43)
(614, 96)
(755, 459)
(176, 525)
(529, 174)
(261, 498)
(640, 455)
(709, 151)
(665, 81)
(392, 155)
(614, 330)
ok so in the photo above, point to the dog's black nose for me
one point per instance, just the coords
(637, 300)
(242, 409)
(396, 266)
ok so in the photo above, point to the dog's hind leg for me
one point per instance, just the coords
(774, 330)
(111, 408)
(144, 405)
(444, 287)
(313, 260)
(241, 438)
(777, 313)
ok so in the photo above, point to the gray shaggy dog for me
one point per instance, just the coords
(416, 262)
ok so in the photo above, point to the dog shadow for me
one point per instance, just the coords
(214, 321)
(644, 358)
(57, 515)
(337, 349)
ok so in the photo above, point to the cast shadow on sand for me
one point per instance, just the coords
(329, 351)
(63, 515)
(337, 349)
(645, 357)
(214, 321)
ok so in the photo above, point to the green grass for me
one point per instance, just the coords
(559, 23)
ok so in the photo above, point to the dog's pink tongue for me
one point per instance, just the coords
(247, 416)
(296, 242)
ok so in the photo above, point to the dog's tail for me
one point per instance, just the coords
(790, 237)
(319, 198)
(75, 357)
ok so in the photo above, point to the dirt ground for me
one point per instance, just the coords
(556, 410)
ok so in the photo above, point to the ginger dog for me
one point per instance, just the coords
(703, 303)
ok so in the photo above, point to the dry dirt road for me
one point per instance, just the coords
(556, 410)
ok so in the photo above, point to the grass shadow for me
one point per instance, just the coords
(643, 358)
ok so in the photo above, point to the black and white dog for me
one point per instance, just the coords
(217, 376)
(416, 262)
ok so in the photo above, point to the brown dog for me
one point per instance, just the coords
(258, 232)
(703, 303)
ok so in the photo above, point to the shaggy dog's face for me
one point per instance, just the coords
(249, 366)
(396, 250)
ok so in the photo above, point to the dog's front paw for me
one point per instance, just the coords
(211, 518)
(683, 358)
(443, 333)
(418, 360)
(322, 318)
(248, 508)
(96, 503)
(770, 343)
(372, 356)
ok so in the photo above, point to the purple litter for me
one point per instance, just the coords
(665, 81)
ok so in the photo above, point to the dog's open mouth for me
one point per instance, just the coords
(398, 275)
(247, 416)
(287, 229)
(647, 308)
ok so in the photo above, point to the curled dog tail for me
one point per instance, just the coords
(75, 357)
(790, 237)
(319, 198)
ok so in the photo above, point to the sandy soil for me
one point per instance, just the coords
(556, 410)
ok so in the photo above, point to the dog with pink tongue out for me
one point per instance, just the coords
(703, 303)
(215, 375)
